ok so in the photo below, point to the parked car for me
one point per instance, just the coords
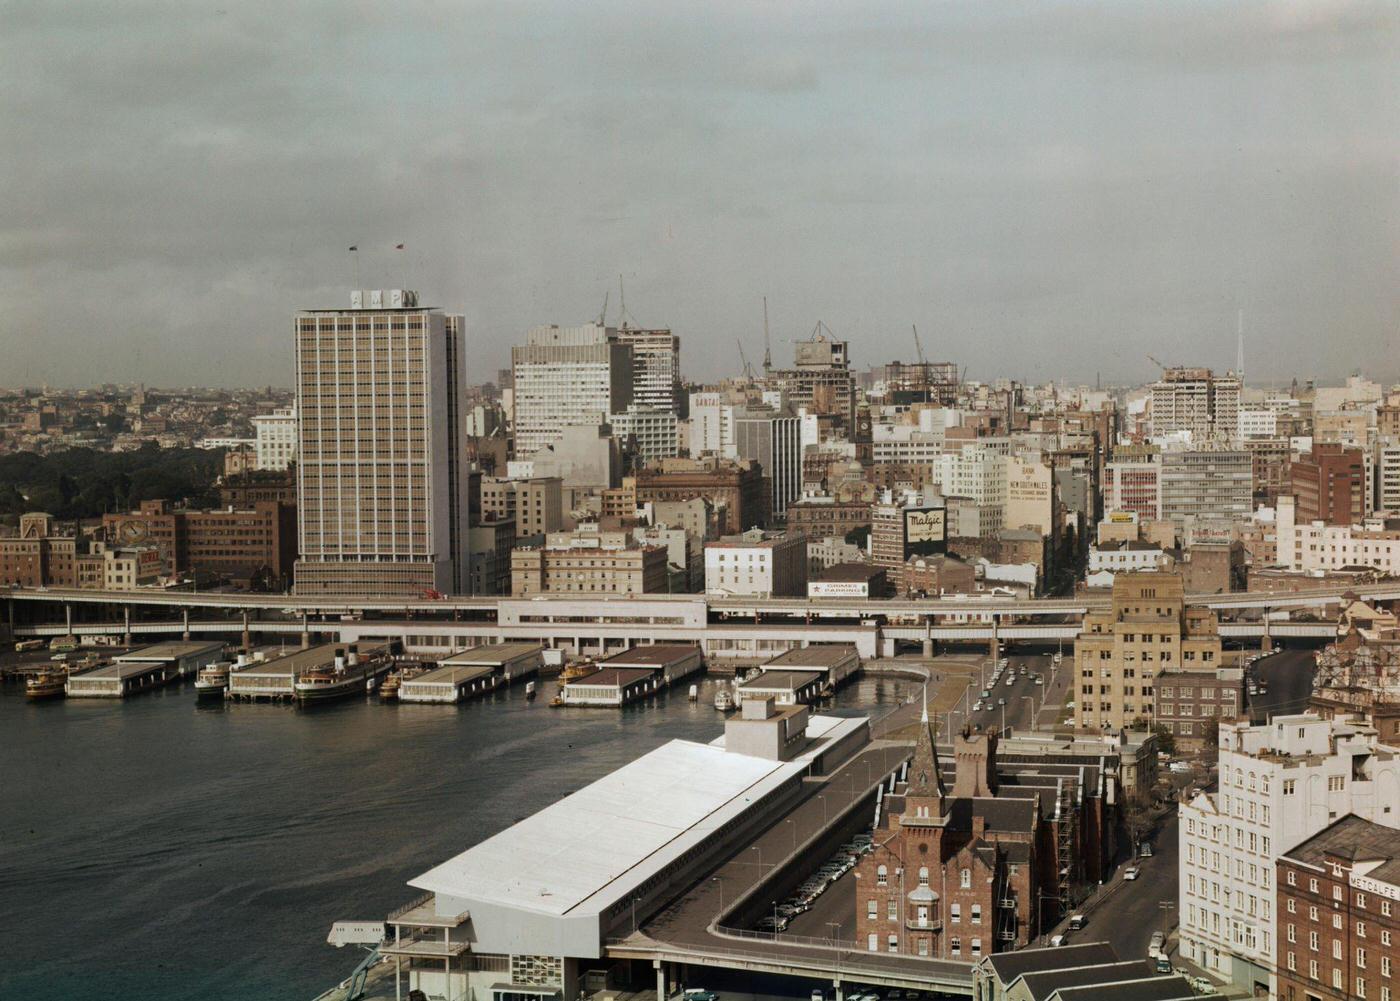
(699, 994)
(1131, 872)
(1039, 680)
(1001, 702)
(1077, 921)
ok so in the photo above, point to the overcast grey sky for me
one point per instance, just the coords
(1046, 189)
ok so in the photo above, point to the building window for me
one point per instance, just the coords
(870, 911)
(976, 919)
(894, 943)
(965, 879)
(955, 946)
(882, 876)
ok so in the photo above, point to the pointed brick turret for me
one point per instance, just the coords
(925, 797)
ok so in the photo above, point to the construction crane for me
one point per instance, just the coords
(748, 369)
(923, 363)
(603, 315)
(1162, 365)
(767, 347)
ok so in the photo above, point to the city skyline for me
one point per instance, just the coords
(1070, 186)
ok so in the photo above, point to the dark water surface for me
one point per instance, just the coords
(155, 850)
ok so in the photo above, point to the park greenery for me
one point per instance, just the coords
(86, 483)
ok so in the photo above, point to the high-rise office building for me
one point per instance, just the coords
(1198, 401)
(1202, 485)
(384, 502)
(1329, 485)
(567, 376)
(773, 439)
(656, 368)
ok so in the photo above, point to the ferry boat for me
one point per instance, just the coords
(724, 699)
(389, 687)
(212, 680)
(346, 677)
(45, 685)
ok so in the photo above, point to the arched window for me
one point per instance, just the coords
(965, 879)
(923, 875)
(882, 876)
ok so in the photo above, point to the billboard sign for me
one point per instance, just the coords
(925, 531)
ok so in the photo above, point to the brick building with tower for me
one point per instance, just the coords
(953, 874)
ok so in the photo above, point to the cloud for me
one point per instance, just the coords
(1054, 188)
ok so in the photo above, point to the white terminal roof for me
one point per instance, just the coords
(589, 849)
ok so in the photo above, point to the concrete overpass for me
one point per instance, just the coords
(738, 631)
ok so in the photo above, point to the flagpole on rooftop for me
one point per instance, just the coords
(355, 256)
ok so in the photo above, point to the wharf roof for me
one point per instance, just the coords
(786, 681)
(619, 676)
(454, 674)
(494, 654)
(821, 657)
(173, 650)
(637, 821)
(1010, 965)
(305, 660)
(655, 655)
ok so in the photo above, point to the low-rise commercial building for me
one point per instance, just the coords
(756, 565)
(1191, 705)
(577, 565)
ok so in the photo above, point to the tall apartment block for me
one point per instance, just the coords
(384, 501)
(1198, 401)
(567, 376)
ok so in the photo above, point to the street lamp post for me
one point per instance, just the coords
(716, 879)
(759, 849)
(1031, 700)
(794, 834)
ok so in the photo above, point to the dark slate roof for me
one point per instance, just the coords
(1172, 988)
(1010, 965)
(1355, 840)
(1043, 983)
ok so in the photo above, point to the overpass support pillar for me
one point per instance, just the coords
(840, 991)
(305, 631)
(126, 625)
(994, 647)
(68, 620)
(928, 643)
(247, 639)
(185, 616)
(1266, 645)
(660, 979)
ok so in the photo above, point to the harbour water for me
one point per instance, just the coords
(163, 849)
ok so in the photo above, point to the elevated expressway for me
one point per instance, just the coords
(728, 627)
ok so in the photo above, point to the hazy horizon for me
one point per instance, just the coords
(1049, 191)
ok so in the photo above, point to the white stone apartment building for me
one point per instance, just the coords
(756, 565)
(276, 439)
(1280, 783)
(1316, 546)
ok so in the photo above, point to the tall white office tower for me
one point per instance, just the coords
(383, 500)
(564, 377)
